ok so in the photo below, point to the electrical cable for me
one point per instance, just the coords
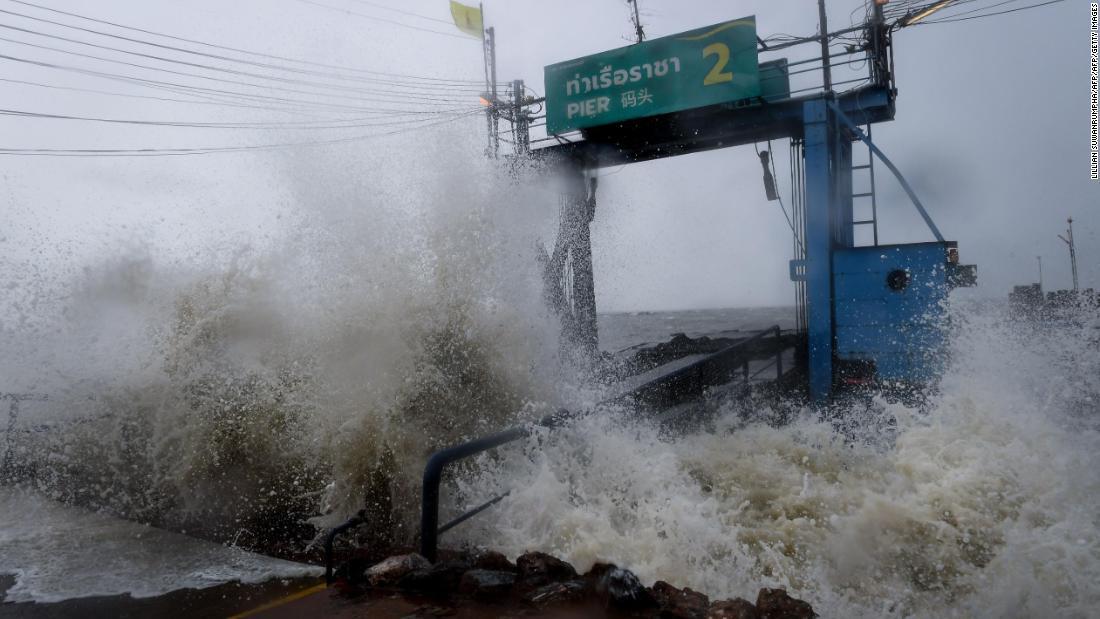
(957, 19)
(245, 51)
(149, 152)
(266, 65)
(439, 101)
(389, 21)
(185, 88)
(414, 96)
(353, 123)
(409, 13)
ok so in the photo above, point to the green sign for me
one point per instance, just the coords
(692, 69)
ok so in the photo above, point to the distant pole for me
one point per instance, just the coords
(489, 59)
(637, 21)
(1072, 251)
(1040, 259)
(519, 119)
(493, 89)
(880, 68)
(826, 70)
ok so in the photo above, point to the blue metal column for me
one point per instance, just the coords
(820, 147)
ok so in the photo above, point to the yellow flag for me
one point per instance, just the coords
(467, 18)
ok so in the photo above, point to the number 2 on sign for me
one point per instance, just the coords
(716, 75)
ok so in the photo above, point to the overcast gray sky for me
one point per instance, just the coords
(991, 129)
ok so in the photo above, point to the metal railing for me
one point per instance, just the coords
(433, 476)
(718, 368)
(729, 360)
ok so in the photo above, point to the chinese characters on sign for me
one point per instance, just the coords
(634, 98)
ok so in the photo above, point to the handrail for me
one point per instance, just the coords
(433, 475)
(433, 471)
(711, 369)
(355, 521)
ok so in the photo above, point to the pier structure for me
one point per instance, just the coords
(866, 311)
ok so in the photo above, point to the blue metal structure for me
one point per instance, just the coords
(852, 314)
(889, 302)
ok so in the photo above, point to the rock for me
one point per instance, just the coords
(737, 608)
(487, 584)
(430, 611)
(538, 568)
(679, 603)
(492, 560)
(619, 588)
(776, 604)
(391, 571)
(557, 593)
(439, 579)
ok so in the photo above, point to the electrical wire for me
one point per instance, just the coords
(409, 13)
(435, 101)
(151, 152)
(245, 51)
(401, 84)
(352, 123)
(185, 88)
(389, 21)
(957, 19)
(282, 80)
(972, 11)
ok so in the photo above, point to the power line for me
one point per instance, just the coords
(243, 51)
(114, 94)
(409, 13)
(1022, 8)
(352, 123)
(151, 152)
(388, 21)
(433, 101)
(972, 11)
(186, 88)
(284, 80)
(336, 76)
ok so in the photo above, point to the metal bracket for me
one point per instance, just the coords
(889, 164)
(798, 270)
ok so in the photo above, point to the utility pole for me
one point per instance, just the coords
(488, 49)
(637, 21)
(880, 72)
(519, 119)
(826, 70)
(1040, 259)
(1072, 251)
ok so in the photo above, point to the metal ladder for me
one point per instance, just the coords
(870, 167)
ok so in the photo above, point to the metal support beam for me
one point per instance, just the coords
(820, 160)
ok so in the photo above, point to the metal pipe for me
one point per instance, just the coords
(438, 462)
(473, 512)
(355, 521)
(433, 475)
(889, 164)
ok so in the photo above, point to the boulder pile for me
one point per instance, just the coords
(538, 584)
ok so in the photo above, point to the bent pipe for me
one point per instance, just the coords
(355, 521)
(433, 475)
(893, 168)
(433, 471)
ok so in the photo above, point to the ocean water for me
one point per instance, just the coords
(983, 503)
(255, 393)
(622, 330)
